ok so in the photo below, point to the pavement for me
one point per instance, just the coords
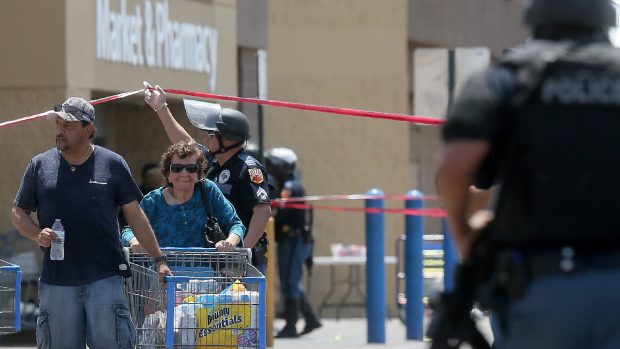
(348, 333)
(343, 333)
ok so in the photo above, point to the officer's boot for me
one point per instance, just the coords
(290, 315)
(312, 320)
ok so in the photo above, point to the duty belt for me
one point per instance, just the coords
(566, 261)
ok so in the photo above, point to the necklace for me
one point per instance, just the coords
(72, 167)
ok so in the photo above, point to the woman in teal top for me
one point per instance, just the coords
(177, 212)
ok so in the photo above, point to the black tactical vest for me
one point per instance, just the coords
(560, 167)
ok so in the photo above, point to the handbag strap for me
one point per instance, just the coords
(205, 201)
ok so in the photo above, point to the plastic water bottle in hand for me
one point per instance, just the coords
(57, 253)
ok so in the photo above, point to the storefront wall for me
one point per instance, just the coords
(347, 54)
(54, 54)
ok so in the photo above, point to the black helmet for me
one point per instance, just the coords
(233, 125)
(585, 13)
(281, 162)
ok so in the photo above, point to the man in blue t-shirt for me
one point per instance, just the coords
(81, 297)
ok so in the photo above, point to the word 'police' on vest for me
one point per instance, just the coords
(581, 89)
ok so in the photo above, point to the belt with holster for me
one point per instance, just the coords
(259, 252)
(514, 269)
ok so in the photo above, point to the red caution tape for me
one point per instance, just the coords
(45, 113)
(115, 97)
(302, 106)
(353, 197)
(427, 212)
(319, 108)
(24, 119)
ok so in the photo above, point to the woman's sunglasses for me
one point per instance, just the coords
(177, 168)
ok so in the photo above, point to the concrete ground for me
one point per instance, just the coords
(347, 333)
(343, 333)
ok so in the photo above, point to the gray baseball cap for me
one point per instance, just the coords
(74, 109)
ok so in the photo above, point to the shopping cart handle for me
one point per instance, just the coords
(248, 251)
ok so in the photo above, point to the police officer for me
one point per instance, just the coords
(549, 114)
(241, 178)
(294, 238)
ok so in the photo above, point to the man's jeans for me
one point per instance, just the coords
(94, 313)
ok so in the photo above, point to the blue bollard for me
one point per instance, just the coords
(450, 256)
(375, 270)
(414, 267)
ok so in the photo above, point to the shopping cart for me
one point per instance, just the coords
(214, 300)
(10, 291)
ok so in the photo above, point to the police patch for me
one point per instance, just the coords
(256, 175)
(262, 194)
(223, 177)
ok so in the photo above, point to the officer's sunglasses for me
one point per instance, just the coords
(177, 168)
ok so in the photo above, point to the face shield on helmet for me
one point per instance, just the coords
(281, 162)
(203, 115)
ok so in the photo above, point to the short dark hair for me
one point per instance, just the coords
(86, 123)
(183, 150)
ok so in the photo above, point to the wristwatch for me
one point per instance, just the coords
(162, 258)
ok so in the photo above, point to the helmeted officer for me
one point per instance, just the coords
(548, 114)
(294, 238)
(241, 178)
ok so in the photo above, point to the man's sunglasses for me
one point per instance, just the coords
(177, 168)
(69, 109)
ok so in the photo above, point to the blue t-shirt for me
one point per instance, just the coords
(86, 199)
(182, 225)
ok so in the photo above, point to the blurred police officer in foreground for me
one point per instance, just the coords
(294, 238)
(241, 178)
(549, 113)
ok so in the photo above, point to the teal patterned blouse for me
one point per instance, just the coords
(182, 225)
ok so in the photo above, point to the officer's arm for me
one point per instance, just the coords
(260, 217)
(156, 99)
(458, 164)
(174, 130)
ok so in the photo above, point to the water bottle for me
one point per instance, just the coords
(57, 253)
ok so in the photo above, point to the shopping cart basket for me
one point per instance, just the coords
(10, 291)
(214, 300)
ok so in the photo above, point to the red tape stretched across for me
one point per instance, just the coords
(45, 113)
(353, 197)
(319, 108)
(302, 106)
(427, 212)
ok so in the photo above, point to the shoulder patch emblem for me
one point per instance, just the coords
(256, 175)
(262, 194)
(224, 176)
